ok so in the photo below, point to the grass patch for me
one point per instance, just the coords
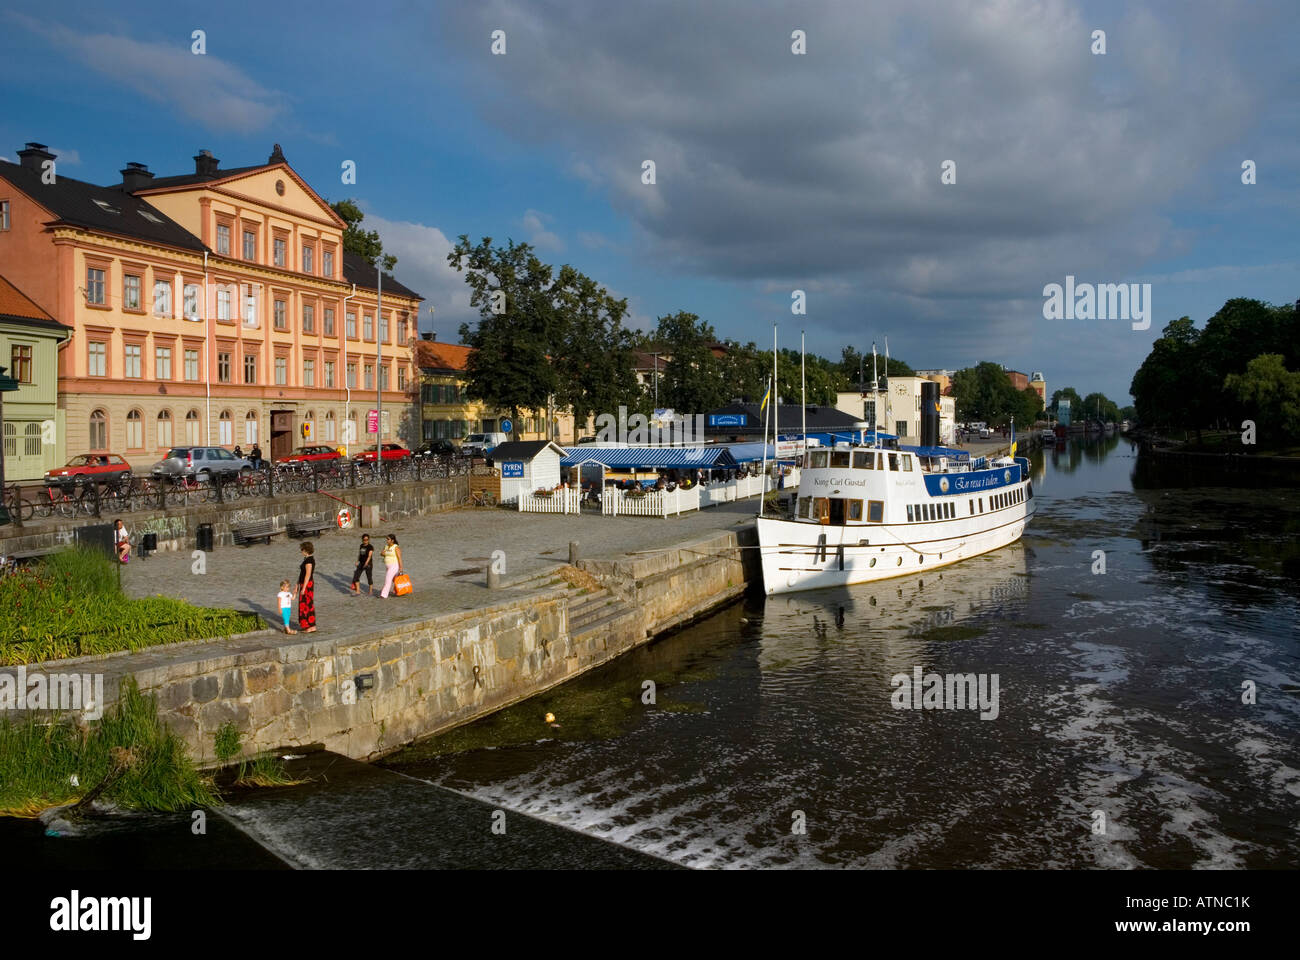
(263, 770)
(129, 756)
(70, 605)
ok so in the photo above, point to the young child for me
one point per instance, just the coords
(286, 605)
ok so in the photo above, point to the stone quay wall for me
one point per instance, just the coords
(367, 696)
(177, 528)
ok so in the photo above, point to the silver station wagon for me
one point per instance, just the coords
(201, 463)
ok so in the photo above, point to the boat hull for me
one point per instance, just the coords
(799, 555)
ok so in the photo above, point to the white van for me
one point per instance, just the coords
(478, 444)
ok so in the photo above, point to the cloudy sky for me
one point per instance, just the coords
(774, 171)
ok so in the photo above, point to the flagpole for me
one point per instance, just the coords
(776, 413)
(803, 393)
(767, 414)
(889, 411)
(875, 398)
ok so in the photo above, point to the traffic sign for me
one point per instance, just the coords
(507, 425)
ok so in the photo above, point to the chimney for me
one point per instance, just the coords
(205, 164)
(277, 155)
(135, 177)
(34, 156)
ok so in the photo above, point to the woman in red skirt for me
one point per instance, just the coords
(307, 590)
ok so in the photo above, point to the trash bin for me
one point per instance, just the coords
(205, 537)
(96, 536)
(148, 544)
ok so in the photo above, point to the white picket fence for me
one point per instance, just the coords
(560, 501)
(666, 503)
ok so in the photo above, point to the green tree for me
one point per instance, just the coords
(364, 243)
(1075, 401)
(1096, 406)
(510, 365)
(1270, 395)
(692, 381)
(1164, 388)
(593, 355)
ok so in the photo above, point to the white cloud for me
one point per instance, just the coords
(421, 252)
(534, 222)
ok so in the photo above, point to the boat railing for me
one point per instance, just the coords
(1024, 466)
(980, 463)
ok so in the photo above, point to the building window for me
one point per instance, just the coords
(281, 370)
(250, 245)
(4, 219)
(98, 359)
(223, 303)
(162, 363)
(383, 327)
(383, 376)
(32, 443)
(134, 431)
(350, 325)
(192, 435)
(327, 431)
(132, 366)
(191, 364)
(308, 318)
(280, 322)
(370, 376)
(309, 373)
(401, 331)
(350, 433)
(223, 367)
(352, 376)
(250, 305)
(279, 252)
(20, 363)
(307, 258)
(225, 429)
(327, 263)
(368, 327)
(191, 305)
(329, 373)
(130, 292)
(164, 429)
(223, 239)
(250, 427)
(329, 321)
(99, 430)
(250, 368)
(94, 285)
(401, 378)
(162, 298)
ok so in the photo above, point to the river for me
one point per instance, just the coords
(1121, 737)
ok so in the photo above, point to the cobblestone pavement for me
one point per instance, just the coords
(445, 556)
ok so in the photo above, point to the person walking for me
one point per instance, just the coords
(121, 541)
(393, 561)
(255, 457)
(365, 565)
(306, 590)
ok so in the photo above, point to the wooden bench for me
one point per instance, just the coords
(26, 556)
(246, 533)
(308, 527)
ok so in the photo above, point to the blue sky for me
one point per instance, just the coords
(775, 172)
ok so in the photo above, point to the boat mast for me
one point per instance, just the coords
(889, 412)
(875, 397)
(767, 413)
(803, 395)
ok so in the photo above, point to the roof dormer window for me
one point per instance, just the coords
(106, 206)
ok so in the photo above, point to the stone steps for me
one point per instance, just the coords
(595, 611)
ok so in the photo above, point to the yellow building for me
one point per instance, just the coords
(216, 307)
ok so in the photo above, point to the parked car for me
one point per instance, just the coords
(202, 463)
(391, 451)
(438, 448)
(101, 467)
(479, 444)
(582, 440)
(310, 454)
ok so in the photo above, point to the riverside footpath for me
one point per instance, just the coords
(379, 674)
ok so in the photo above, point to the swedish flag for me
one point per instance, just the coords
(766, 396)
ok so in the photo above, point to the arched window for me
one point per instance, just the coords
(193, 435)
(98, 430)
(134, 431)
(250, 427)
(11, 440)
(225, 429)
(164, 429)
(32, 445)
(327, 430)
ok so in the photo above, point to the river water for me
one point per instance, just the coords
(1121, 737)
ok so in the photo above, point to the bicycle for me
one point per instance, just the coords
(483, 499)
(18, 505)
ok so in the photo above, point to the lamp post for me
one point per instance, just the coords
(656, 403)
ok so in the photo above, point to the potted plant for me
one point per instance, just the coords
(543, 492)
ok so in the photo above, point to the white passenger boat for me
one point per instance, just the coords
(868, 513)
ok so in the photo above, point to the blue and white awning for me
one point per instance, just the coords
(652, 458)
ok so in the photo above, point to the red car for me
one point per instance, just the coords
(391, 451)
(102, 467)
(310, 454)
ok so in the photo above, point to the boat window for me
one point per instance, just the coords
(893, 462)
(909, 513)
(981, 504)
(952, 511)
(929, 511)
(907, 464)
(863, 459)
(971, 507)
(875, 511)
(855, 509)
(840, 458)
(817, 458)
